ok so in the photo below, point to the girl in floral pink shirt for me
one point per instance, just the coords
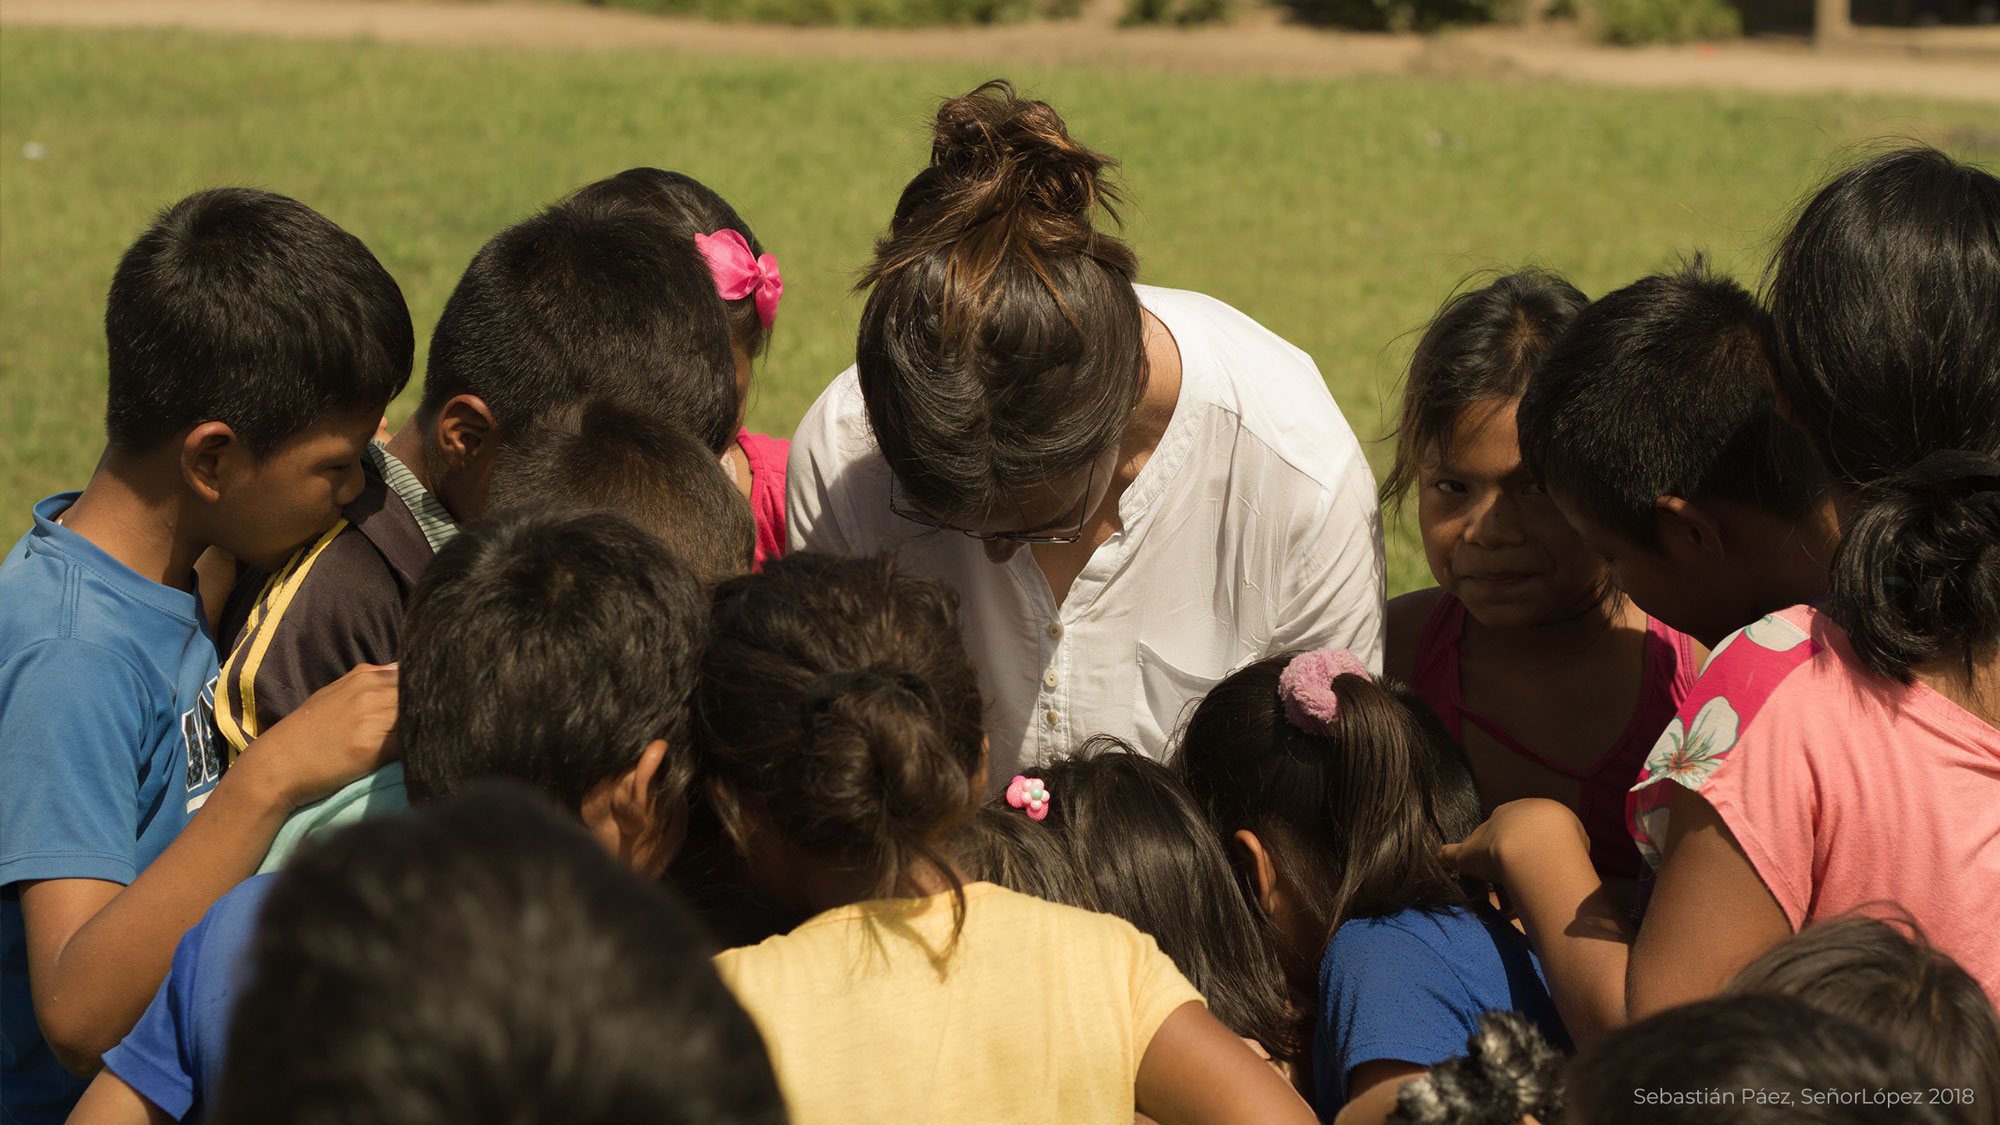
(1846, 757)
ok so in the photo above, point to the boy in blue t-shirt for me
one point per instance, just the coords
(252, 348)
(608, 623)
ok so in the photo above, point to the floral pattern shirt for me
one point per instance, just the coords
(1846, 791)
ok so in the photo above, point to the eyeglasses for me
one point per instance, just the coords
(1029, 537)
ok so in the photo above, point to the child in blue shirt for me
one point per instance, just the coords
(252, 348)
(1334, 794)
(606, 623)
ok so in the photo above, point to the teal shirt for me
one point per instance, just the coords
(371, 795)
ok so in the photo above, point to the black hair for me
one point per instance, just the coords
(644, 466)
(1133, 830)
(1887, 978)
(550, 648)
(252, 309)
(1483, 344)
(1663, 388)
(1508, 1071)
(1884, 293)
(483, 959)
(840, 715)
(1002, 344)
(1709, 1062)
(693, 203)
(1356, 818)
(592, 296)
(999, 845)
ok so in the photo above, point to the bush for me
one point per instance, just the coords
(1633, 22)
(865, 13)
(1183, 13)
(1399, 15)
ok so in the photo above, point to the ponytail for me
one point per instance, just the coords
(1001, 345)
(837, 704)
(1917, 574)
(1884, 293)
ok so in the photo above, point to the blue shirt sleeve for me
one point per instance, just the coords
(73, 727)
(173, 1057)
(1385, 993)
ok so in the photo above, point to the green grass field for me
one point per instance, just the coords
(1337, 212)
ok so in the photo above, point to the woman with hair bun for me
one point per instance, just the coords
(1840, 757)
(1190, 496)
(840, 724)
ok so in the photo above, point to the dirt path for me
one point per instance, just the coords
(1963, 65)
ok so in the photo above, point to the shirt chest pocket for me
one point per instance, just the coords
(1167, 688)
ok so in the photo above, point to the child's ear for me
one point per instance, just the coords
(1256, 860)
(622, 813)
(465, 430)
(1687, 530)
(211, 456)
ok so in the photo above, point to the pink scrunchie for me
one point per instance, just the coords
(738, 273)
(1305, 687)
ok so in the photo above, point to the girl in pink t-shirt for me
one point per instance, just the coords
(1848, 757)
(749, 283)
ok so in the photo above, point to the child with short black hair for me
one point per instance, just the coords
(1552, 680)
(483, 960)
(1333, 798)
(592, 297)
(1130, 826)
(1652, 424)
(642, 465)
(556, 649)
(750, 285)
(252, 345)
(1751, 1060)
(1885, 976)
(843, 743)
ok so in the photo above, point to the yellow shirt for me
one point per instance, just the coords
(1039, 1014)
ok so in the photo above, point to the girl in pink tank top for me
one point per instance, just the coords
(1555, 684)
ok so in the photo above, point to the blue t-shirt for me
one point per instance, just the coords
(1412, 986)
(107, 721)
(173, 1058)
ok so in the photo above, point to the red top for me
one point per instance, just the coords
(767, 456)
(1669, 674)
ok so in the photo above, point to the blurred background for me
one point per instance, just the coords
(1334, 168)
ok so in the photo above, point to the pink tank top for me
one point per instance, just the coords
(1669, 674)
(767, 456)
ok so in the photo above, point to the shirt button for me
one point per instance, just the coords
(1051, 679)
(1051, 716)
(1055, 628)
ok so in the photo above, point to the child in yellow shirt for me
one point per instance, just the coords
(841, 725)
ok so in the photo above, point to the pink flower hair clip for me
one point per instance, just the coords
(1029, 795)
(1305, 687)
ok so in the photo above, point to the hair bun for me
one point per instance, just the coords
(1008, 152)
(879, 732)
(1917, 572)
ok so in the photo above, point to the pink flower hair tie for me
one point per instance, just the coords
(1305, 687)
(1029, 795)
(738, 273)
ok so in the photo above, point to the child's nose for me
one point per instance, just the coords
(1494, 524)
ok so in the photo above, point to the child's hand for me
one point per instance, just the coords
(345, 730)
(1517, 833)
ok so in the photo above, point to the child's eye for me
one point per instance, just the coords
(1534, 488)
(1455, 488)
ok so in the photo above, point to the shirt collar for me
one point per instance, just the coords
(432, 517)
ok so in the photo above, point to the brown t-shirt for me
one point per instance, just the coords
(337, 603)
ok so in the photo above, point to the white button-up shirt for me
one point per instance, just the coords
(1251, 530)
